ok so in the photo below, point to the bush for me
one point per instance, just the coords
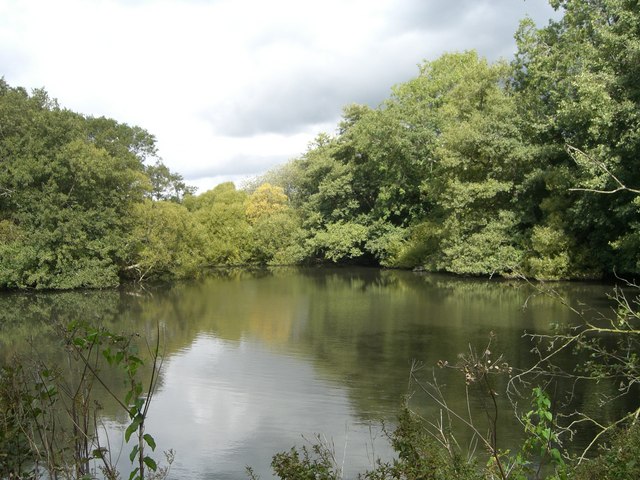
(620, 461)
(420, 456)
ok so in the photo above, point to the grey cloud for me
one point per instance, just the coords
(300, 96)
(436, 16)
(129, 3)
(238, 165)
(430, 15)
(307, 97)
(278, 108)
(484, 25)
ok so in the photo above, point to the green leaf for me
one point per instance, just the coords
(134, 473)
(127, 397)
(151, 463)
(139, 403)
(106, 353)
(150, 441)
(555, 455)
(135, 360)
(93, 336)
(134, 452)
(98, 453)
(133, 426)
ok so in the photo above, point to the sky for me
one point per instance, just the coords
(232, 88)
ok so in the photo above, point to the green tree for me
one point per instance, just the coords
(275, 227)
(221, 213)
(165, 184)
(473, 190)
(68, 188)
(266, 200)
(578, 89)
(168, 241)
(445, 151)
(320, 186)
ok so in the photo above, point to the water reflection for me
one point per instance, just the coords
(254, 361)
(226, 404)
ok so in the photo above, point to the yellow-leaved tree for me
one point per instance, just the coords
(275, 226)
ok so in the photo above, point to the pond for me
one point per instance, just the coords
(257, 362)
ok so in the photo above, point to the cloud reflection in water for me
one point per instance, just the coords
(224, 405)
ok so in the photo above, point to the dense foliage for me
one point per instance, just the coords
(85, 202)
(480, 168)
(70, 186)
(472, 167)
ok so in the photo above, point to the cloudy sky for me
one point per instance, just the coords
(231, 88)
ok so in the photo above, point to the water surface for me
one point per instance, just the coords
(255, 363)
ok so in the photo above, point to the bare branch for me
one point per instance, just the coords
(576, 153)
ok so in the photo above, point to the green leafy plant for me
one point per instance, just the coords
(51, 420)
(541, 441)
(120, 351)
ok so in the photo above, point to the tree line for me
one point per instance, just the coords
(473, 167)
(483, 168)
(86, 203)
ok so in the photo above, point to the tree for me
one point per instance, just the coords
(221, 214)
(266, 200)
(474, 163)
(166, 185)
(168, 241)
(275, 227)
(578, 88)
(320, 186)
(66, 199)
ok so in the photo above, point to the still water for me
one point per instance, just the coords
(257, 362)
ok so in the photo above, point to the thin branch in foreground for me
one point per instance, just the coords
(576, 154)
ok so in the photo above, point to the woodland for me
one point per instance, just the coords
(527, 167)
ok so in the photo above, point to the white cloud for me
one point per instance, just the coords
(229, 86)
